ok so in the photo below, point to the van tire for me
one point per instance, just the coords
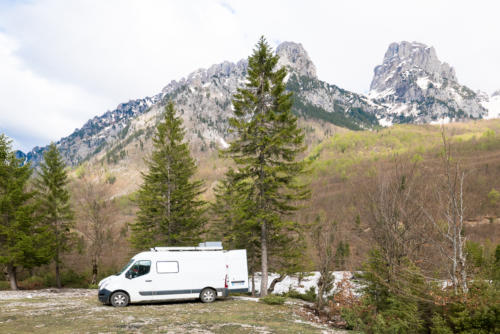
(208, 295)
(119, 299)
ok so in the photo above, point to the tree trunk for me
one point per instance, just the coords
(169, 208)
(274, 282)
(11, 271)
(253, 284)
(263, 281)
(463, 268)
(94, 271)
(58, 276)
(321, 290)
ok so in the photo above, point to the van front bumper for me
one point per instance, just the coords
(103, 296)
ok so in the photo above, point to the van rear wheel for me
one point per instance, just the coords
(208, 295)
(119, 299)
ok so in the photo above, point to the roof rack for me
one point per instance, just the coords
(203, 246)
(178, 249)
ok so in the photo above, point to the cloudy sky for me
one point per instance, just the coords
(63, 62)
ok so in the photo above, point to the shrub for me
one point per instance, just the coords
(308, 296)
(273, 300)
(4, 285)
(111, 179)
(73, 279)
(479, 312)
(439, 325)
(494, 196)
(344, 297)
(398, 316)
(33, 282)
(386, 308)
(49, 279)
(69, 278)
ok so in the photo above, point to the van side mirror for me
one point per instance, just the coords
(128, 275)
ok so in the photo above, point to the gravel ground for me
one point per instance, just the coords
(78, 311)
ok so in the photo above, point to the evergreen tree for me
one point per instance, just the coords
(170, 211)
(265, 150)
(54, 205)
(233, 219)
(20, 235)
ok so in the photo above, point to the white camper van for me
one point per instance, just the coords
(172, 273)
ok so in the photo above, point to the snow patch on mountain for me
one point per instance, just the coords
(492, 103)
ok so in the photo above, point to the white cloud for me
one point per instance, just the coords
(63, 62)
(34, 108)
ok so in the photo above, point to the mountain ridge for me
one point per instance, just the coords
(203, 99)
(411, 86)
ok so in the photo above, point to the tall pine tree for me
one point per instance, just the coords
(170, 211)
(54, 205)
(20, 234)
(234, 221)
(265, 150)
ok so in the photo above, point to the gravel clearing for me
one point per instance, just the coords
(79, 311)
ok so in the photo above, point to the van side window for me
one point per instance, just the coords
(139, 268)
(167, 267)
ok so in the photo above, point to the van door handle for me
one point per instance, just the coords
(148, 280)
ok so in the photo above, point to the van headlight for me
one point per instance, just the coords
(103, 283)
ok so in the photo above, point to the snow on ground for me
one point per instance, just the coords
(398, 109)
(423, 82)
(292, 282)
(374, 94)
(493, 106)
(441, 121)
(223, 143)
(385, 122)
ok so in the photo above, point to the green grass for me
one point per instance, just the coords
(79, 314)
(340, 153)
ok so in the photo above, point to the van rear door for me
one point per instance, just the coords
(237, 270)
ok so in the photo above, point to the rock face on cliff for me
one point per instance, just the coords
(317, 99)
(416, 87)
(203, 99)
(294, 56)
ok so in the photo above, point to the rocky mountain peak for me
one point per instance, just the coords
(410, 56)
(496, 93)
(294, 56)
(417, 87)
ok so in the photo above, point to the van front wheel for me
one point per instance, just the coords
(119, 299)
(208, 295)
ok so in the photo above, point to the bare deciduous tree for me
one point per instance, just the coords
(323, 235)
(450, 222)
(396, 216)
(96, 210)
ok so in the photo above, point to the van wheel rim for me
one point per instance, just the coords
(208, 295)
(119, 300)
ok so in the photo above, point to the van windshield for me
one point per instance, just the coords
(124, 268)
